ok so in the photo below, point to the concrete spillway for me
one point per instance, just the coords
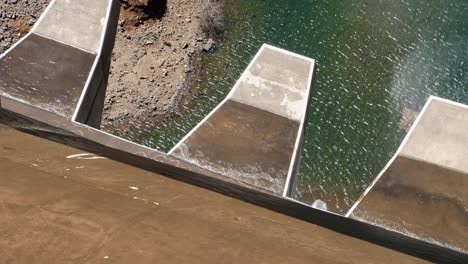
(62, 65)
(423, 191)
(255, 134)
(52, 84)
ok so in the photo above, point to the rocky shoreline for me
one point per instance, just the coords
(16, 19)
(156, 44)
(151, 67)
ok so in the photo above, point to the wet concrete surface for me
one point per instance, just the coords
(46, 74)
(420, 199)
(60, 205)
(244, 143)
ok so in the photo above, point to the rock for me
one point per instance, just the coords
(209, 45)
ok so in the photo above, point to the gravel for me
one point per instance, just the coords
(16, 19)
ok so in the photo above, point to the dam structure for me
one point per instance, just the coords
(52, 85)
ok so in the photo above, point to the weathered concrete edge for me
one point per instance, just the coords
(297, 152)
(24, 118)
(90, 91)
(400, 148)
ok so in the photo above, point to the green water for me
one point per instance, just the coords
(375, 58)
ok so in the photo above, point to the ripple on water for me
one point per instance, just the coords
(375, 59)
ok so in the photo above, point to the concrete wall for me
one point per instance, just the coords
(89, 111)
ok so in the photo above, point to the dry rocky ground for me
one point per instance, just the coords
(151, 63)
(16, 18)
(156, 42)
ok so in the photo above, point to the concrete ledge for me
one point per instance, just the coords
(91, 103)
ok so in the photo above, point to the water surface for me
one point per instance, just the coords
(376, 60)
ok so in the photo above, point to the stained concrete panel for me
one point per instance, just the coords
(46, 74)
(420, 199)
(75, 22)
(244, 143)
(441, 136)
(277, 82)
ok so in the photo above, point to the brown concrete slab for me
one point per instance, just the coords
(244, 143)
(55, 209)
(46, 74)
(422, 200)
